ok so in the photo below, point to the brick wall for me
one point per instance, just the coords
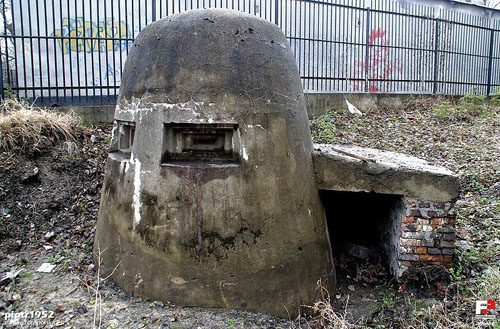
(427, 234)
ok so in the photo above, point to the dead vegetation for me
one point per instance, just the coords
(27, 128)
(326, 315)
(408, 311)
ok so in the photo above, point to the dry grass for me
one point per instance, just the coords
(489, 285)
(325, 316)
(461, 315)
(413, 314)
(25, 127)
(329, 319)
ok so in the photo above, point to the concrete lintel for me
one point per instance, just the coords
(391, 173)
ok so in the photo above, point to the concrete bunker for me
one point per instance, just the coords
(211, 193)
(209, 197)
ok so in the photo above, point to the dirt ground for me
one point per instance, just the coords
(49, 203)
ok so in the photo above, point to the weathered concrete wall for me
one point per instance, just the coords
(320, 103)
(245, 234)
(91, 114)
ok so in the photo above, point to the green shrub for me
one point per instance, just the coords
(475, 110)
(495, 99)
(469, 106)
(444, 111)
(473, 99)
(323, 128)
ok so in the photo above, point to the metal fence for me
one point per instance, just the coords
(73, 51)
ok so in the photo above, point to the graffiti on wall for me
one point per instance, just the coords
(78, 28)
(380, 65)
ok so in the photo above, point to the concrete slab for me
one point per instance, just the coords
(358, 169)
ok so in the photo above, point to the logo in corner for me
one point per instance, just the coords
(485, 309)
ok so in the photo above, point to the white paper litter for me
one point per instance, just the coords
(46, 268)
(352, 109)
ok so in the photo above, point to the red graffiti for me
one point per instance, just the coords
(374, 35)
(380, 65)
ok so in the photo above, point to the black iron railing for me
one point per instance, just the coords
(70, 52)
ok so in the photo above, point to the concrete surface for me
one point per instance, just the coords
(391, 173)
(321, 103)
(246, 232)
(90, 114)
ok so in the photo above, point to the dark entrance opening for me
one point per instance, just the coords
(364, 229)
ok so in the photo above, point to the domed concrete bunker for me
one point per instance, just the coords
(210, 196)
(212, 188)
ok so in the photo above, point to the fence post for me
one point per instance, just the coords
(153, 10)
(367, 47)
(2, 94)
(490, 62)
(276, 14)
(436, 56)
